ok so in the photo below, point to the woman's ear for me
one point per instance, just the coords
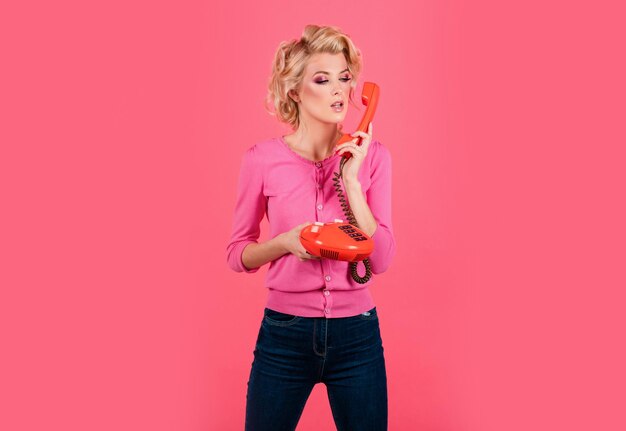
(294, 96)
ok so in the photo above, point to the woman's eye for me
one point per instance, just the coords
(342, 79)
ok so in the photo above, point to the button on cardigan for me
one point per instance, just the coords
(276, 182)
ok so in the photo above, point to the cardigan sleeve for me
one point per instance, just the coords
(250, 207)
(379, 201)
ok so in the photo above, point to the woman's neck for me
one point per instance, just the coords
(315, 146)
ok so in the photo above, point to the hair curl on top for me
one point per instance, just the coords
(290, 62)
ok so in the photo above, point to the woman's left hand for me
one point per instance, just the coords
(351, 167)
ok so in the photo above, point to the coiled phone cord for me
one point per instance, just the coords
(352, 220)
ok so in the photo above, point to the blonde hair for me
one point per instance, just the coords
(291, 59)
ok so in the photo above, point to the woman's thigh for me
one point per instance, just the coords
(355, 374)
(283, 373)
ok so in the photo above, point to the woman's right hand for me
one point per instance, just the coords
(291, 243)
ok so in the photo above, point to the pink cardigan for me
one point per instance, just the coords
(291, 190)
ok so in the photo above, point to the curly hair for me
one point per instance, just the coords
(290, 62)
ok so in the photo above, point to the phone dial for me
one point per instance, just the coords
(339, 240)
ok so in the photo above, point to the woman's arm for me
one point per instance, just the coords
(256, 255)
(373, 212)
(249, 211)
(360, 209)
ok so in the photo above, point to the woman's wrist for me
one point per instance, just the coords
(352, 184)
(279, 242)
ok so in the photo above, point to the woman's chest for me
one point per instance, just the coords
(313, 193)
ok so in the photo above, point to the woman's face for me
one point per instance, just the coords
(326, 80)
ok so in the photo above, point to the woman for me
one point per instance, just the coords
(319, 325)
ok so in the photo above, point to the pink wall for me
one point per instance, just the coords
(122, 129)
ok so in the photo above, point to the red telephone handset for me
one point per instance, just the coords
(369, 97)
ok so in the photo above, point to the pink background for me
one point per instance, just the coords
(122, 128)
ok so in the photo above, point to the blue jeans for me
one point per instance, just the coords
(294, 353)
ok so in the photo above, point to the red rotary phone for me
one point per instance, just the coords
(338, 240)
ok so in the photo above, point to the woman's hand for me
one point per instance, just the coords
(352, 166)
(290, 241)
